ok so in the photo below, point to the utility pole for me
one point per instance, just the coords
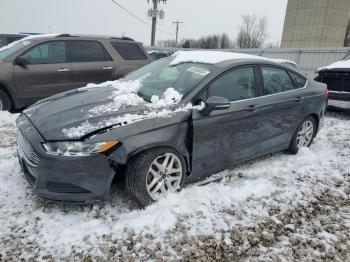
(177, 30)
(154, 13)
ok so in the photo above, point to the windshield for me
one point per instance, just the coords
(159, 76)
(10, 49)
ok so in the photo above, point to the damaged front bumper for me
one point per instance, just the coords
(81, 179)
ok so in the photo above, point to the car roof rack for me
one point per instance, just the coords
(123, 38)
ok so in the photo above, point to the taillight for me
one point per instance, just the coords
(326, 93)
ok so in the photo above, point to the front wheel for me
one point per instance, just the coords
(304, 135)
(153, 174)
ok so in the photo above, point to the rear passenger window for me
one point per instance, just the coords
(276, 80)
(47, 53)
(88, 51)
(234, 85)
(299, 81)
(129, 51)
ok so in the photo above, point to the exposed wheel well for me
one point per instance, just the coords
(156, 147)
(4, 88)
(317, 120)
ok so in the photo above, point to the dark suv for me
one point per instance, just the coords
(40, 66)
(338, 82)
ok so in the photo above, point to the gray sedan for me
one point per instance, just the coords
(170, 123)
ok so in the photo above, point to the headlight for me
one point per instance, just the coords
(78, 148)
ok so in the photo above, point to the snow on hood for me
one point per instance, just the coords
(27, 38)
(337, 65)
(125, 95)
(210, 57)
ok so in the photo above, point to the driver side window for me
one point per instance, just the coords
(47, 53)
(234, 85)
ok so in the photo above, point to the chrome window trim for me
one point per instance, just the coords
(263, 96)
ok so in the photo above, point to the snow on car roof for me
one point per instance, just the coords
(337, 65)
(283, 61)
(210, 57)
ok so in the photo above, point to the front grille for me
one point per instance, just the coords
(26, 151)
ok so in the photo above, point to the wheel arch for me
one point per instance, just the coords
(10, 95)
(182, 152)
(317, 120)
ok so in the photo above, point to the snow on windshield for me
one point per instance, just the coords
(210, 57)
(337, 65)
(126, 95)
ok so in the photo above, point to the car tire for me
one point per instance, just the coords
(5, 101)
(304, 135)
(141, 181)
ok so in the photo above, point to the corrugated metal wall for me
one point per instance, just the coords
(308, 59)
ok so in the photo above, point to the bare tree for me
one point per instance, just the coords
(208, 42)
(253, 32)
(166, 43)
(225, 41)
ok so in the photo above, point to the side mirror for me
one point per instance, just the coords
(21, 61)
(215, 103)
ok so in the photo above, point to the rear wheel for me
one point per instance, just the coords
(304, 135)
(5, 102)
(153, 174)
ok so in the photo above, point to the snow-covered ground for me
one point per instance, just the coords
(279, 207)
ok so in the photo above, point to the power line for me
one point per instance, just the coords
(137, 5)
(177, 30)
(130, 13)
(138, 18)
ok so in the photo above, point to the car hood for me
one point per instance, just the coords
(79, 113)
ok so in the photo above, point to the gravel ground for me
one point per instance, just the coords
(276, 208)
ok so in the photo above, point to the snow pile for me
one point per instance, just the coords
(126, 96)
(170, 97)
(119, 85)
(7, 118)
(337, 65)
(210, 57)
(118, 121)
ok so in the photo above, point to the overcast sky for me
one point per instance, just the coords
(200, 17)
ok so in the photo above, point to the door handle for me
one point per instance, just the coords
(63, 70)
(299, 99)
(107, 68)
(251, 108)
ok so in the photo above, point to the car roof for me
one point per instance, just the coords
(210, 57)
(81, 36)
(245, 61)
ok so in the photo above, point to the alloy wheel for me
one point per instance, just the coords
(305, 134)
(164, 176)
